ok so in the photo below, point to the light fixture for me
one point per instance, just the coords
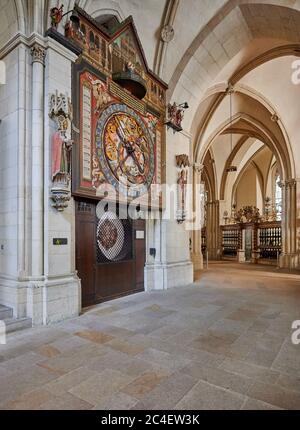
(230, 91)
(231, 169)
(184, 105)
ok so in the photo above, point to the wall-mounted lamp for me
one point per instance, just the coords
(57, 14)
(184, 105)
(231, 169)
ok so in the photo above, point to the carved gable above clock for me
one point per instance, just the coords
(119, 111)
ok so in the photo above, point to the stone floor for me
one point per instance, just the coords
(222, 343)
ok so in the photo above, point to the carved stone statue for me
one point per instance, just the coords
(174, 116)
(181, 199)
(61, 150)
(56, 15)
(61, 153)
(101, 94)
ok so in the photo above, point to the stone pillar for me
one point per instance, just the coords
(212, 229)
(37, 162)
(289, 256)
(36, 287)
(241, 250)
(255, 251)
(198, 203)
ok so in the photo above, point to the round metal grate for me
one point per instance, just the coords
(114, 238)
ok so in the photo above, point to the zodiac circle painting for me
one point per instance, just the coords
(125, 150)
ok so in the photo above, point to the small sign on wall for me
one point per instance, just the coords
(59, 242)
(140, 234)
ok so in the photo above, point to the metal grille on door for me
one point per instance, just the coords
(114, 238)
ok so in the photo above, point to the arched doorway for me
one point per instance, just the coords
(233, 142)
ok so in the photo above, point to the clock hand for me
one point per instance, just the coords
(128, 146)
(123, 161)
(141, 170)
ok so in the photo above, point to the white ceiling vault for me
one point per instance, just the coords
(219, 27)
(213, 40)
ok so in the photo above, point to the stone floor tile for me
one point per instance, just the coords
(289, 382)
(204, 396)
(119, 401)
(219, 377)
(48, 351)
(143, 384)
(66, 402)
(163, 359)
(169, 392)
(126, 346)
(31, 400)
(252, 371)
(224, 342)
(94, 336)
(257, 405)
(95, 389)
(61, 385)
(275, 395)
(203, 357)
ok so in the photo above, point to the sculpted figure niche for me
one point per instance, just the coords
(61, 150)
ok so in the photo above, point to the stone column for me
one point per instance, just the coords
(212, 229)
(197, 257)
(289, 256)
(37, 161)
(241, 250)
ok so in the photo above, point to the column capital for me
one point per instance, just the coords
(198, 168)
(290, 183)
(38, 54)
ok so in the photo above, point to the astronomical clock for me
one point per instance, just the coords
(119, 108)
(126, 150)
(118, 153)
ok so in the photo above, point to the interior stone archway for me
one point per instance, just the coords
(271, 132)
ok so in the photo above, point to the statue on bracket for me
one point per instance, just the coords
(61, 150)
(182, 162)
(56, 14)
(175, 115)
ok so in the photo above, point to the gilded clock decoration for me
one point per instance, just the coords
(125, 150)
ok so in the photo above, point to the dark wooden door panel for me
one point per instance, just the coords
(114, 279)
(104, 281)
(86, 259)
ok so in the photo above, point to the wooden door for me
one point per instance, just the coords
(110, 254)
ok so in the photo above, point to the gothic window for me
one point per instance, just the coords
(278, 196)
(92, 40)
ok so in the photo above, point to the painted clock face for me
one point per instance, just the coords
(125, 150)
